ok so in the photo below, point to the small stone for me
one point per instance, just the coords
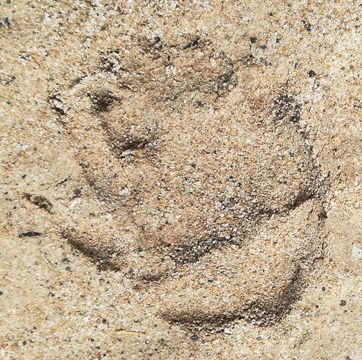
(307, 25)
(5, 23)
(77, 192)
(194, 337)
(227, 331)
(343, 303)
(29, 234)
(39, 201)
(311, 73)
(356, 252)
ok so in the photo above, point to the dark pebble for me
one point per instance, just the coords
(343, 303)
(194, 337)
(311, 73)
(307, 25)
(77, 192)
(5, 23)
(39, 201)
(29, 234)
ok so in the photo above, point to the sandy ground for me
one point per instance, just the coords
(89, 270)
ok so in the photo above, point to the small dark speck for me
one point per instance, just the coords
(77, 192)
(39, 201)
(322, 215)
(347, 358)
(5, 23)
(343, 303)
(104, 321)
(307, 25)
(24, 342)
(1, 293)
(194, 337)
(29, 234)
(323, 288)
(311, 73)
(253, 40)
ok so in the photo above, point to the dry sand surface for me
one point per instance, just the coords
(181, 179)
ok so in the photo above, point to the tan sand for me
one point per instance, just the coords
(181, 180)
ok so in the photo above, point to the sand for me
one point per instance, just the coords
(181, 180)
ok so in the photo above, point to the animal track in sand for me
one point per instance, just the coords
(215, 194)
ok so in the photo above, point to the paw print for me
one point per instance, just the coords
(216, 199)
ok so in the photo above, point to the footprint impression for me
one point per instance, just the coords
(212, 195)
